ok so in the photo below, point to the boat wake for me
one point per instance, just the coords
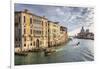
(60, 49)
(87, 55)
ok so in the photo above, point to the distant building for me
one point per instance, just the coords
(85, 34)
(33, 31)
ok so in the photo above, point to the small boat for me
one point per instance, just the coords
(49, 51)
(21, 54)
(78, 43)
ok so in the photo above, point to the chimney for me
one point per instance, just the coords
(26, 10)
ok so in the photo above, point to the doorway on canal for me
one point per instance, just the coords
(37, 43)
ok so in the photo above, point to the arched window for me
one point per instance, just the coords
(37, 43)
(34, 43)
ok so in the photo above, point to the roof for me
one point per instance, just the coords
(27, 12)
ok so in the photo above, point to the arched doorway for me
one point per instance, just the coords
(37, 43)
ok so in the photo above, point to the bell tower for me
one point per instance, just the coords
(82, 30)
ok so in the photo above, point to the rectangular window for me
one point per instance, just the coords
(31, 38)
(31, 44)
(31, 31)
(19, 39)
(46, 24)
(19, 45)
(24, 45)
(24, 19)
(24, 31)
(37, 32)
(16, 39)
(30, 20)
(24, 38)
(34, 43)
(19, 32)
(42, 23)
(19, 19)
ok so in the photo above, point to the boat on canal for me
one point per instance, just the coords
(49, 51)
(21, 54)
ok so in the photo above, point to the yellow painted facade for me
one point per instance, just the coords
(32, 32)
(26, 27)
(54, 33)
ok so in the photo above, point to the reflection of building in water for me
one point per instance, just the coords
(32, 32)
(85, 34)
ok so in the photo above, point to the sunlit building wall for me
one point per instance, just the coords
(33, 32)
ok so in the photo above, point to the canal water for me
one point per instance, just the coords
(69, 52)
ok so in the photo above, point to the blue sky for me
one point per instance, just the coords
(71, 17)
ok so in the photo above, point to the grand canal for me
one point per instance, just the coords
(69, 52)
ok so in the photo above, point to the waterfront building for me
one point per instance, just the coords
(36, 32)
(63, 35)
(85, 34)
(23, 36)
(54, 33)
(44, 32)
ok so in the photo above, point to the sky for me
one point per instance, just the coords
(69, 16)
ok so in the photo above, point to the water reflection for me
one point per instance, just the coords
(67, 53)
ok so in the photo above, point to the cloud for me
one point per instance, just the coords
(71, 17)
(74, 32)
